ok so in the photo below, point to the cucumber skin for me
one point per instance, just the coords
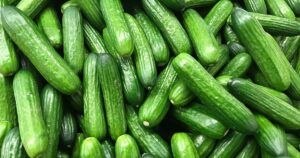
(33, 131)
(183, 146)
(294, 6)
(113, 14)
(91, 147)
(68, 129)
(93, 39)
(203, 144)
(54, 69)
(180, 95)
(257, 6)
(251, 149)
(182, 4)
(31, 7)
(289, 46)
(280, 8)
(293, 152)
(12, 145)
(110, 82)
(224, 58)
(108, 149)
(76, 148)
(190, 71)
(238, 65)
(126, 147)
(165, 19)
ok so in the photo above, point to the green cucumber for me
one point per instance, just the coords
(94, 120)
(144, 59)
(76, 148)
(229, 34)
(159, 46)
(108, 149)
(113, 14)
(257, 6)
(93, 39)
(164, 20)
(270, 137)
(280, 8)
(110, 82)
(25, 34)
(233, 112)
(293, 152)
(275, 93)
(289, 46)
(217, 16)
(49, 23)
(236, 48)
(293, 140)
(264, 53)
(238, 65)
(200, 120)
(183, 146)
(208, 53)
(294, 89)
(223, 80)
(182, 4)
(132, 88)
(126, 147)
(52, 106)
(180, 95)
(31, 7)
(147, 155)
(203, 144)
(157, 104)
(251, 149)
(68, 129)
(5, 126)
(147, 140)
(294, 4)
(75, 100)
(229, 146)
(265, 103)
(91, 147)
(61, 154)
(259, 78)
(33, 129)
(12, 145)
(69, 3)
(224, 58)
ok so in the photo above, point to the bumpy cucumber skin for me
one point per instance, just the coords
(289, 46)
(93, 39)
(126, 147)
(293, 152)
(294, 4)
(91, 147)
(280, 8)
(293, 139)
(114, 17)
(224, 58)
(76, 148)
(33, 129)
(54, 69)
(251, 149)
(229, 34)
(180, 95)
(183, 146)
(238, 65)
(182, 4)
(12, 145)
(275, 93)
(31, 7)
(257, 6)
(165, 19)
(68, 129)
(108, 149)
(203, 144)
(111, 86)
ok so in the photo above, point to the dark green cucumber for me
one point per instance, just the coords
(68, 129)
(238, 65)
(180, 95)
(217, 16)
(259, 78)
(93, 39)
(270, 137)
(31, 7)
(203, 144)
(294, 4)
(157, 104)
(132, 88)
(108, 149)
(229, 34)
(12, 145)
(25, 34)
(251, 149)
(76, 148)
(91, 147)
(113, 14)
(293, 140)
(233, 112)
(183, 146)
(33, 129)
(224, 58)
(236, 48)
(280, 8)
(229, 146)
(91, 11)
(264, 53)
(126, 147)
(293, 152)
(149, 141)
(164, 20)
(265, 103)
(159, 46)
(144, 59)
(75, 100)
(289, 46)
(182, 4)
(294, 89)
(257, 6)
(207, 53)
(73, 43)
(199, 119)
(275, 93)
(111, 86)
(49, 22)
(94, 120)
(61, 154)
(52, 106)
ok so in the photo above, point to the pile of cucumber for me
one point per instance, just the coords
(150, 78)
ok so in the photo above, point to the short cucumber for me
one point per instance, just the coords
(31, 7)
(293, 152)
(289, 46)
(251, 149)
(110, 82)
(257, 6)
(182, 4)
(157, 104)
(93, 39)
(294, 4)
(236, 48)
(91, 147)
(113, 14)
(108, 149)
(183, 146)
(126, 147)
(76, 148)
(223, 60)
(33, 129)
(229, 34)
(180, 95)
(238, 65)
(165, 19)
(68, 129)
(280, 8)
(203, 144)
(12, 145)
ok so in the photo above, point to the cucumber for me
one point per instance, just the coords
(251, 149)
(203, 144)
(294, 4)
(75, 100)
(159, 46)
(12, 145)
(293, 140)
(91, 147)
(259, 78)
(270, 137)
(200, 120)
(275, 93)
(209, 53)
(217, 16)
(126, 147)
(144, 59)
(73, 43)
(180, 95)
(264, 53)
(229, 34)
(183, 146)
(157, 104)
(223, 80)
(108, 149)
(289, 46)
(5, 126)
(236, 48)
(182, 4)
(257, 6)
(224, 58)
(265, 103)
(147, 140)
(147, 155)
(280, 8)
(25, 34)
(52, 106)
(31, 7)
(164, 20)
(113, 14)
(33, 129)
(68, 129)
(49, 23)
(293, 152)
(110, 82)
(61, 154)
(132, 88)
(94, 120)
(238, 65)
(78, 141)
(229, 146)
(233, 112)
(93, 39)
